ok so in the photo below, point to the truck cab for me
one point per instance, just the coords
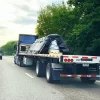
(24, 42)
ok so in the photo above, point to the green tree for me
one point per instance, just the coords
(8, 48)
(78, 23)
(56, 18)
(86, 33)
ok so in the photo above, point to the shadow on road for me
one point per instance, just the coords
(69, 82)
(30, 68)
(76, 82)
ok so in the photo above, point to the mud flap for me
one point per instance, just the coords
(57, 69)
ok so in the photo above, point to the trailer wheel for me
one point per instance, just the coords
(49, 73)
(87, 80)
(20, 62)
(38, 69)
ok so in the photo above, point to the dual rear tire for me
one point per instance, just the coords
(45, 70)
(49, 77)
(40, 69)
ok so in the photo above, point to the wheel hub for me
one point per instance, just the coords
(37, 70)
(48, 73)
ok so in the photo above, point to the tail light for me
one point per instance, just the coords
(71, 60)
(68, 60)
(65, 60)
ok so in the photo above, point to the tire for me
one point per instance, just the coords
(49, 77)
(87, 80)
(14, 60)
(39, 69)
(20, 63)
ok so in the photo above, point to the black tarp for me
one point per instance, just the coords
(41, 45)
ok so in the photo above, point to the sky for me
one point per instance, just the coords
(19, 17)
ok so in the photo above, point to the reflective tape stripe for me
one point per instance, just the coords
(63, 75)
(64, 57)
(74, 56)
(93, 76)
(94, 57)
(97, 75)
(74, 75)
(79, 75)
(69, 75)
(83, 75)
(84, 57)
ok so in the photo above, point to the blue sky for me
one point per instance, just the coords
(19, 16)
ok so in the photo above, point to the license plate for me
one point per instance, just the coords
(85, 65)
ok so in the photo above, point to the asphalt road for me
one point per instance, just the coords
(21, 83)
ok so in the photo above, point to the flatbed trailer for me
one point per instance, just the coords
(56, 66)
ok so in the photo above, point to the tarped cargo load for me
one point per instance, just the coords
(42, 45)
(53, 48)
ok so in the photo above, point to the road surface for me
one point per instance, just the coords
(21, 83)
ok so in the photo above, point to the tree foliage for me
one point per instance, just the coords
(56, 18)
(8, 48)
(86, 34)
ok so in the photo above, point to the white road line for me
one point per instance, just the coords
(29, 75)
(13, 65)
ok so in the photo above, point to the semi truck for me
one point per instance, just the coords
(52, 59)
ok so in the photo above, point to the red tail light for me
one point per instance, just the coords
(71, 60)
(65, 60)
(68, 60)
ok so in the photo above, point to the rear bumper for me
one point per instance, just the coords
(92, 76)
